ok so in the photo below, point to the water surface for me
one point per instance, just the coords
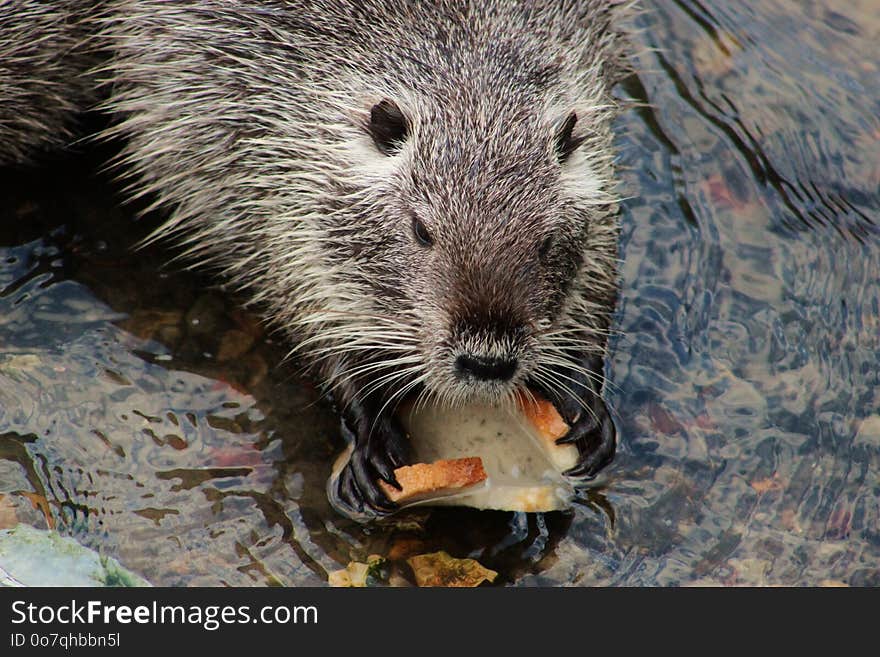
(145, 414)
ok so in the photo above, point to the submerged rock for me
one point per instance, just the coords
(38, 557)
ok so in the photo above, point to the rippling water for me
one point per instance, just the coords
(144, 414)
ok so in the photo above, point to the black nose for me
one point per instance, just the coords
(486, 369)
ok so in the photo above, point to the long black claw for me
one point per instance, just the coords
(349, 493)
(385, 470)
(378, 501)
(586, 425)
(568, 439)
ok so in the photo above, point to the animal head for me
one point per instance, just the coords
(479, 223)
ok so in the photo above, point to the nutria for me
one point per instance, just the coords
(46, 80)
(419, 194)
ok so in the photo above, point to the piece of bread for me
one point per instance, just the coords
(543, 416)
(549, 426)
(438, 479)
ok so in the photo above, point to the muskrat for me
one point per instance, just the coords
(419, 194)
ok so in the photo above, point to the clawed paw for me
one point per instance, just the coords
(592, 429)
(595, 437)
(380, 447)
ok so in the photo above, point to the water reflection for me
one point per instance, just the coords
(144, 413)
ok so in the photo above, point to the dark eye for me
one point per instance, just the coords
(546, 247)
(423, 237)
(566, 142)
(388, 127)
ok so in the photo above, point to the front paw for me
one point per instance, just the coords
(379, 447)
(595, 437)
(577, 394)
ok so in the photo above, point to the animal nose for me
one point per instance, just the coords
(486, 369)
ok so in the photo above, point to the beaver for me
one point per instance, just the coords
(420, 195)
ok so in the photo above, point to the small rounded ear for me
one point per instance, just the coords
(566, 142)
(388, 127)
